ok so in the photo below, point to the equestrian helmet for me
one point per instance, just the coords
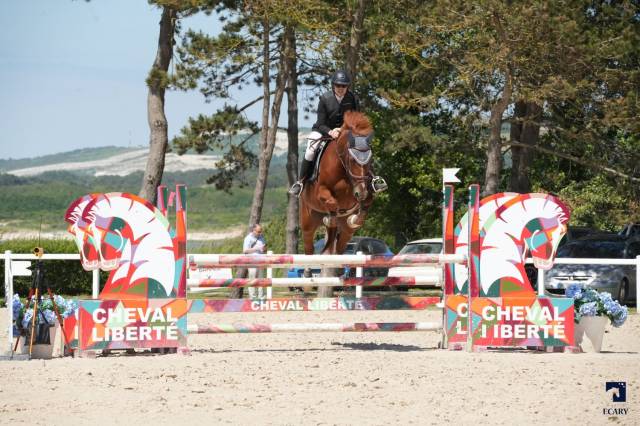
(341, 77)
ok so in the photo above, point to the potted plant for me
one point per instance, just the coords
(592, 312)
(46, 322)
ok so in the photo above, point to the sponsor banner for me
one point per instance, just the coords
(124, 323)
(512, 321)
(315, 304)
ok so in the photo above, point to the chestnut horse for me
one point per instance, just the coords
(341, 195)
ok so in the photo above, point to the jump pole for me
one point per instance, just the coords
(210, 261)
(315, 281)
(313, 327)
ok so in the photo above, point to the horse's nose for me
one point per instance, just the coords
(360, 192)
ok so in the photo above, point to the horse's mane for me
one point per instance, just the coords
(357, 122)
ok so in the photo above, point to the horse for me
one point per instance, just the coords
(340, 197)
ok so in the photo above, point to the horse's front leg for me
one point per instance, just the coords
(356, 220)
(327, 199)
(330, 204)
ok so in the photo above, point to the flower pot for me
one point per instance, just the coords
(39, 351)
(593, 328)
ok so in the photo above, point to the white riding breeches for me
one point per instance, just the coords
(312, 145)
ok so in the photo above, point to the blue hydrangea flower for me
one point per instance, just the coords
(590, 295)
(620, 317)
(589, 309)
(16, 305)
(49, 315)
(611, 307)
(59, 300)
(605, 298)
(574, 291)
(70, 308)
(26, 319)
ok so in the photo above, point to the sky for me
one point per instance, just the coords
(72, 75)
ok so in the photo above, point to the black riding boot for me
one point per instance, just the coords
(305, 170)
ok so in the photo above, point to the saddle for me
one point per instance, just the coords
(324, 142)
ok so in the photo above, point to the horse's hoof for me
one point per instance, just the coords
(353, 222)
(330, 221)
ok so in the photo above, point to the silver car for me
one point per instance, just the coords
(424, 246)
(619, 280)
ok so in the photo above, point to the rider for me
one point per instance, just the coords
(331, 109)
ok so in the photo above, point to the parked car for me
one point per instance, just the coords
(424, 246)
(577, 232)
(630, 230)
(366, 245)
(619, 280)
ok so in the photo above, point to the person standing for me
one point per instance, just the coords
(255, 244)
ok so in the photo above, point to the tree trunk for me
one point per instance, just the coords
(263, 161)
(281, 84)
(292, 136)
(528, 116)
(159, 138)
(515, 135)
(494, 147)
(355, 39)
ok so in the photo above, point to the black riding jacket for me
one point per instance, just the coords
(331, 114)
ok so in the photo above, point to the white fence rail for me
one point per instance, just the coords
(8, 276)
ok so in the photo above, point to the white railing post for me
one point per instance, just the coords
(359, 272)
(637, 280)
(540, 282)
(270, 275)
(95, 283)
(8, 294)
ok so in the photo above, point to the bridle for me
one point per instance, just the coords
(354, 179)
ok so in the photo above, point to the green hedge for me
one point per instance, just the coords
(65, 277)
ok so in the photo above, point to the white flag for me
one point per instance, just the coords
(449, 175)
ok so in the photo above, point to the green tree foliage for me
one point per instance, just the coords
(434, 75)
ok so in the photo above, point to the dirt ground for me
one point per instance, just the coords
(326, 378)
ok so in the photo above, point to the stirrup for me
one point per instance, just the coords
(296, 189)
(378, 184)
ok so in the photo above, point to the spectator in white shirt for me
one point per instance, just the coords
(254, 243)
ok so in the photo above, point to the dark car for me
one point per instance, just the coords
(619, 280)
(577, 232)
(366, 245)
(630, 230)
